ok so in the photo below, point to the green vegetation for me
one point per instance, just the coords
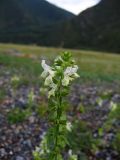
(21, 69)
(58, 78)
(82, 136)
(94, 66)
(17, 115)
(116, 142)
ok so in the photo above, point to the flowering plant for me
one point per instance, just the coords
(57, 79)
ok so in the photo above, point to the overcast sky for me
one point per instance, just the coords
(75, 6)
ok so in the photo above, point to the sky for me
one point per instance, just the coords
(75, 6)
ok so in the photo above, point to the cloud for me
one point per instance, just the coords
(75, 6)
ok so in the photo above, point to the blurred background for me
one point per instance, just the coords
(33, 30)
(89, 24)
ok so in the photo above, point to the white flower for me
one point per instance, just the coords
(100, 102)
(43, 145)
(37, 149)
(76, 75)
(113, 106)
(47, 70)
(44, 74)
(31, 96)
(69, 75)
(72, 156)
(70, 152)
(48, 73)
(71, 70)
(69, 126)
(48, 81)
(52, 91)
(42, 149)
(66, 80)
(15, 79)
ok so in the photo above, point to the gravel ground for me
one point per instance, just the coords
(17, 141)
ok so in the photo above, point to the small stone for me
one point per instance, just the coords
(20, 103)
(108, 158)
(20, 158)
(31, 119)
(28, 143)
(2, 152)
(11, 153)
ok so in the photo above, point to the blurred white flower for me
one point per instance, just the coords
(69, 126)
(71, 70)
(70, 152)
(15, 78)
(48, 81)
(72, 156)
(100, 101)
(52, 91)
(113, 106)
(37, 149)
(69, 75)
(47, 70)
(66, 80)
(42, 149)
(31, 96)
(48, 73)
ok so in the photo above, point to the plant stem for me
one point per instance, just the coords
(59, 99)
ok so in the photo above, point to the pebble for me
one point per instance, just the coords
(2, 152)
(18, 140)
(27, 143)
(20, 158)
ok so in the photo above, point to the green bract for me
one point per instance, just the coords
(57, 78)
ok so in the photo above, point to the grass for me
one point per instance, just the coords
(94, 66)
(25, 68)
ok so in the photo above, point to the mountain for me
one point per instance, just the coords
(39, 22)
(95, 28)
(20, 18)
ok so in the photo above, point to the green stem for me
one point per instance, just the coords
(59, 99)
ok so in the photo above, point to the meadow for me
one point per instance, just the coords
(93, 103)
(98, 66)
